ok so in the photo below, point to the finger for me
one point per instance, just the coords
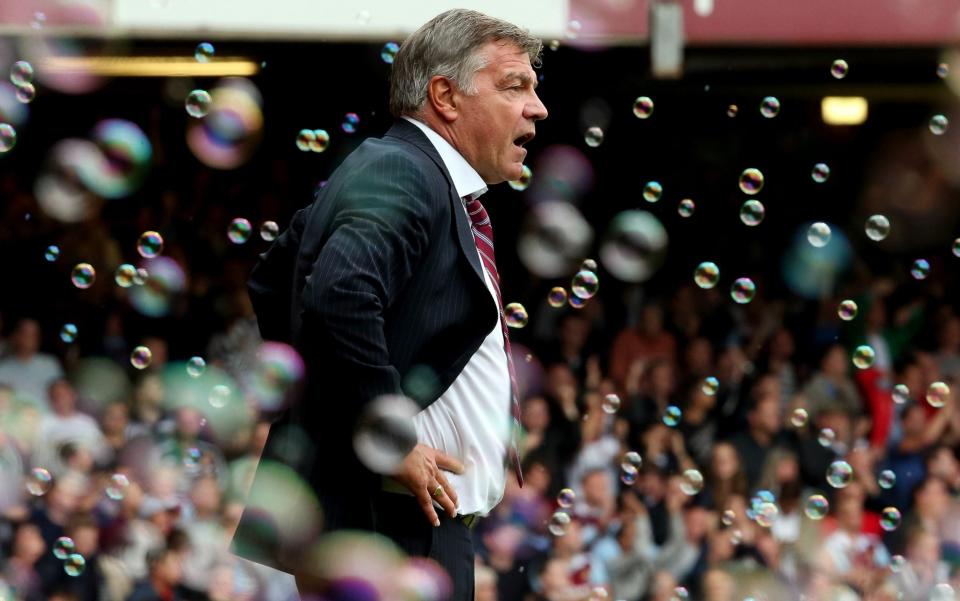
(448, 463)
(450, 494)
(426, 504)
(444, 500)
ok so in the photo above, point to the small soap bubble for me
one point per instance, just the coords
(196, 366)
(863, 356)
(942, 592)
(141, 278)
(839, 68)
(559, 522)
(751, 181)
(117, 487)
(523, 182)
(63, 547)
(816, 507)
(74, 564)
(389, 52)
(706, 275)
(890, 519)
(728, 517)
(652, 191)
(557, 297)
(198, 103)
(752, 212)
(140, 357)
(743, 290)
(515, 315)
(575, 301)
(799, 417)
(943, 69)
(766, 514)
(820, 173)
(955, 249)
(566, 498)
(38, 482)
(21, 72)
(937, 394)
(573, 29)
(269, 230)
(897, 562)
(204, 52)
(219, 396)
(593, 136)
(305, 137)
(51, 253)
(585, 284)
(8, 137)
(920, 269)
(938, 125)
(901, 394)
(680, 593)
(732, 111)
(770, 107)
(554, 45)
(26, 93)
(686, 208)
(818, 234)
(350, 123)
(847, 310)
(319, 141)
(886, 479)
(628, 474)
(611, 403)
(877, 227)
(150, 244)
(839, 474)
(672, 415)
(631, 458)
(125, 275)
(643, 107)
(826, 437)
(68, 333)
(710, 385)
(83, 275)
(239, 230)
(692, 482)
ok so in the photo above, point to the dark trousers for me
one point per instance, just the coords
(399, 517)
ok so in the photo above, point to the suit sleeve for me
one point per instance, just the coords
(377, 237)
(271, 282)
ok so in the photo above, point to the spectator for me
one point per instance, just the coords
(25, 368)
(646, 342)
(162, 583)
(67, 425)
(763, 421)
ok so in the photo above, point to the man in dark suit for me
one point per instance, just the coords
(387, 285)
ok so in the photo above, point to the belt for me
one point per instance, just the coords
(391, 485)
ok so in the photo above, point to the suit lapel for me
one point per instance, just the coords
(410, 133)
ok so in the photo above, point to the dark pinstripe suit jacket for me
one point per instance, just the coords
(378, 284)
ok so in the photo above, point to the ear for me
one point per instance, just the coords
(442, 96)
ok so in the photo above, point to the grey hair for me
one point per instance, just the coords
(449, 45)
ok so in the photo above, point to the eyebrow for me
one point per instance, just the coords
(524, 78)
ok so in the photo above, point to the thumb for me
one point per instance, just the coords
(448, 463)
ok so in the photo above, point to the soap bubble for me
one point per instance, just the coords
(74, 564)
(117, 487)
(839, 474)
(566, 497)
(897, 562)
(847, 310)
(269, 230)
(515, 315)
(826, 437)
(943, 70)
(219, 396)
(890, 519)
(920, 269)
(752, 212)
(799, 417)
(350, 123)
(839, 68)
(643, 107)
(631, 458)
(140, 357)
(863, 356)
(692, 482)
(686, 208)
(887, 479)
(770, 107)
(557, 297)
(939, 124)
(204, 52)
(196, 366)
(62, 547)
(39, 482)
(68, 333)
(523, 182)
(8, 137)
(389, 52)
(732, 111)
(728, 517)
(942, 592)
(125, 275)
(901, 394)
(26, 93)
(150, 244)
(820, 173)
(816, 507)
(751, 181)
(83, 275)
(937, 394)
(766, 514)
(628, 474)
(742, 290)
(593, 136)
(652, 191)
(585, 284)
(559, 522)
(21, 72)
(611, 403)
(239, 230)
(588, 265)
(710, 385)
(818, 234)
(877, 227)
(706, 275)
(634, 246)
(51, 253)
(385, 433)
(672, 415)
(198, 103)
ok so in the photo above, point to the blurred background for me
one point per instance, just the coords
(731, 269)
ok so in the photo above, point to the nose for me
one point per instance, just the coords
(536, 110)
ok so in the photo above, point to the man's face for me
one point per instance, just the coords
(493, 124)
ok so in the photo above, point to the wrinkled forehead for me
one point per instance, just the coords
(502, 56)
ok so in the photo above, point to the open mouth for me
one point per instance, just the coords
(520, 141)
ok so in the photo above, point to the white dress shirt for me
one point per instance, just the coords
(471, 419)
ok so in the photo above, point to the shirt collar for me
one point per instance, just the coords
(466, 180)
